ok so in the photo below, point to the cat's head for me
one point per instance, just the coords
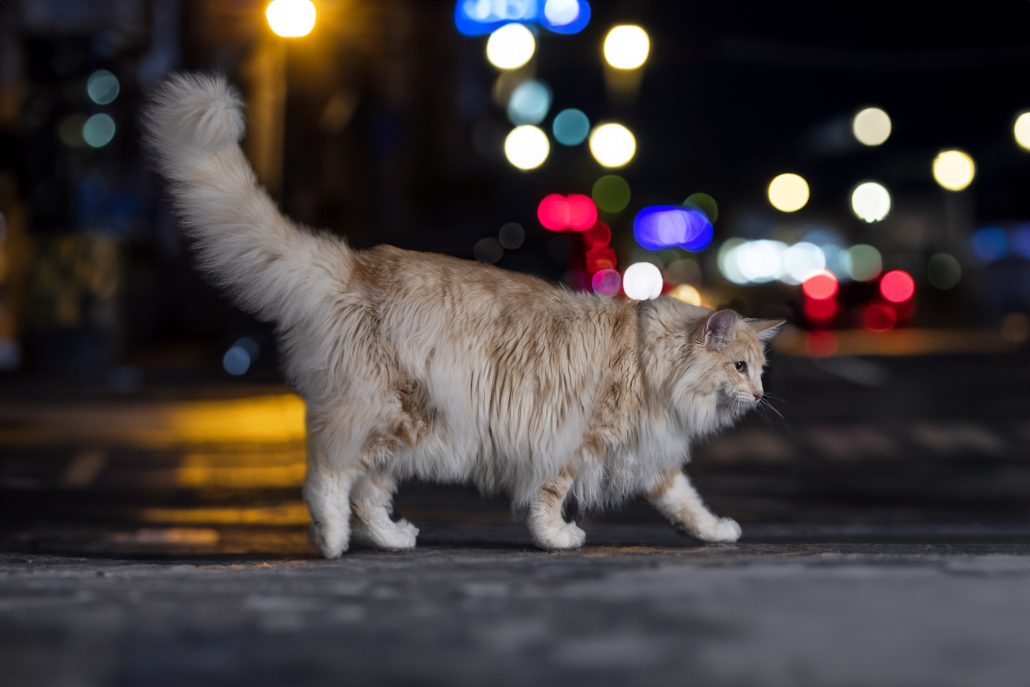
(712, 362)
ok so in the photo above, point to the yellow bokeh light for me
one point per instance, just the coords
(788, 192)
(871, 126)
(291, 18)
(687, 294)
(612, 145)
(954, 169)
(510, 47)
(1021, 130)
(527, 147)
(626, 47)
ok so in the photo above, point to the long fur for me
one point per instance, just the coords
(421, 365)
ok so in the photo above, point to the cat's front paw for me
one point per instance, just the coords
(568, 536)
(721, 530)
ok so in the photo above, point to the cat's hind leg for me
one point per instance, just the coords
(675, 498)
(546, 523)
(372, 501)
(332, 471)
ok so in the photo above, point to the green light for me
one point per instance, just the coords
(611, 193)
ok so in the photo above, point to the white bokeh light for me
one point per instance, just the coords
(510, 47)
(801, 261)
(612, 145)
(626, 47)
(527, 147)
(870, 201)
(871, 126)
(642, 281)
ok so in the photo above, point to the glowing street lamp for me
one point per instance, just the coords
(291, 18)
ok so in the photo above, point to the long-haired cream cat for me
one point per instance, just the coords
(421, 365)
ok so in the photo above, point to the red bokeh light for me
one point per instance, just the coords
(820, 310)
(597, 235)
(879, 318)
(553, 212)
(582, 212)
(897, 286)
(820, 286)
(602, 258)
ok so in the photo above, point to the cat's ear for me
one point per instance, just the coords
(766, 329)
(719, 329)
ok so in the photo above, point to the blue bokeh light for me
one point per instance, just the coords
(529, 102)
(571, 127)
(990, 243)
(657, 227)
(480, 17)
(1021, 241)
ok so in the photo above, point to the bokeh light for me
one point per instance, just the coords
(570, 127)
(98, 130)
(821, 309)
(553, 212)
(626, 46)
(870, 201)
(598, 235)
(668, 226)
(526, 147)
(728, 262)
(642, 281)
(102, 87)
(511, 236)
(529, 102)
(989, 244)
(488, 250)
(510, 47)
(788, 192)
(566, 16)
(291, 18)
(236, 360)
(897, 286)
(1021, 241)
(612, 144)
(871, 126)
(582, 212)
(760, 261)
(821, 343)
(943, 271)
(687, 294)
(879, 318)
(1021, 130)
(606, 282)
(954, 170)
(801, 261)
(611, 193)
(820, 286)
(866, 262)
(601, 258)
(705, 203)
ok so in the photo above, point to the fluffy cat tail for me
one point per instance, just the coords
(270, 266)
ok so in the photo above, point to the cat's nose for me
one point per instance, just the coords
(759, 395)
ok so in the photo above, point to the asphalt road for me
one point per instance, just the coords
(159, 539)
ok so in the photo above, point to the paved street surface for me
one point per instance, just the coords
(159, 539)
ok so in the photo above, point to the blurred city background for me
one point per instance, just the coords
(859, 169)
(861, 177)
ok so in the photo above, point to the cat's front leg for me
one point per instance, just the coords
(546, 524)
(675, 498)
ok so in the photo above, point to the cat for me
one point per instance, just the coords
(417, 365)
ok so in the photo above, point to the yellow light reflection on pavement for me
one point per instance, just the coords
(272, 419)
(286, 514)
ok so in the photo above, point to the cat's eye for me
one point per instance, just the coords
(741, 366)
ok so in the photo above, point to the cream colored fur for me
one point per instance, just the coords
(421, 365)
